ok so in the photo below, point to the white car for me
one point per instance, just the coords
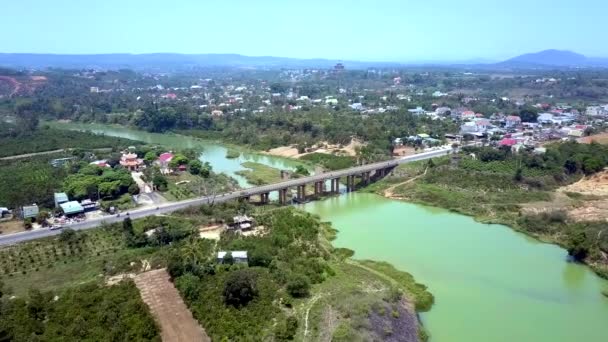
(56, 226)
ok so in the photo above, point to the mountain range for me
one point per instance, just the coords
(172, 61)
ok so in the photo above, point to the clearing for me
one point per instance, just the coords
(166, 305)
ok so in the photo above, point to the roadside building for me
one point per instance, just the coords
(72, 208)
(29, 211)
(237, 256)
(88, 205)
(59, 162)
(242, 222)
(60, 198)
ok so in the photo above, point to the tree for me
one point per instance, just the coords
(228, 259)
(27, 223)
(301, 170)
(67, 235)
(518, 175)
(127, 226)
(577, 245)
(298, 285)
(27, 118)
(150, 157)
(177, 160)
(592, 165)
(240, 287)
(42, 217)
(195, 167)
(528, 115)
(160, 182)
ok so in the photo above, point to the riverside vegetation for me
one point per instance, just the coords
(495, 185)
(294, 278)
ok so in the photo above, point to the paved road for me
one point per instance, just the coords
(175, 206)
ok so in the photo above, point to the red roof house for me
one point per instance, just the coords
(508, 142)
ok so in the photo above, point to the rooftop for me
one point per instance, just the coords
(72, 207)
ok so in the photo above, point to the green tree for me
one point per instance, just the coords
(177, 160)
(160, 182)
(67, 235)
(228, 259)
(150, 157)
(298, 285)
(195, 167)
(240, 287)
(577, 245)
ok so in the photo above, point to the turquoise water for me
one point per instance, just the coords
(490, 283)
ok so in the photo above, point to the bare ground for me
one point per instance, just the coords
(593, 206)
(168, 308)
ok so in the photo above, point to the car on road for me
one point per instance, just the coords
(56, 226)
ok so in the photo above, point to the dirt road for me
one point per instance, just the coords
(168, 308)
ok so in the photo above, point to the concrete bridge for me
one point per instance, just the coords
(366, 174)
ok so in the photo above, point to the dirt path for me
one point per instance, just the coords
(166, 305)
(27, 155)
(311, 303)
(389, 192)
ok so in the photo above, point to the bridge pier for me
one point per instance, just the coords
(335, 185)
(244, 199)
(350, 183)
(283, 196)
(318, 188)
(264, 197)
(301, 191)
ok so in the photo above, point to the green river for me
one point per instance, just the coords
(490, 283)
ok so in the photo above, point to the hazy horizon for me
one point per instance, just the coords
(382, 31)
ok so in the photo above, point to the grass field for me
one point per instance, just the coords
(260, 174)
(52, 264)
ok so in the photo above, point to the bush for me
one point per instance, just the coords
(298, 285)
(240, 288)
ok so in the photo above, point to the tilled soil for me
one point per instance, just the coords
(168, 308)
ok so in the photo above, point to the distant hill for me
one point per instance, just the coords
(169, 61)
(554, 58)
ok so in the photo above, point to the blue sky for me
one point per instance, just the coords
(378, 30)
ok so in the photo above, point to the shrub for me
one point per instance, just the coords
(298, 285)
(240, 288)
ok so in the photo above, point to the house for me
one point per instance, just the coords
(545, 118)
(443, 111)
(71, 208)
(100, 163)
(130, 161)
(60, 198)
(512, 121)
(59, 162)
(417, 111)
(217, 113)
(356, 106)
(89, 205)
(164, 159)
(332, 102)
(242, 222)
(508, 142)
(29, 211)
(237, 256)
(467, 115)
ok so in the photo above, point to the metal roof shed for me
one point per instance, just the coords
(72, 208)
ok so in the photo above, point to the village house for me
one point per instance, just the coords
(417, 111)
(512, 121)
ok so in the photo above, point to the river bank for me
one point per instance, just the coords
(543, 215)
(480, 275)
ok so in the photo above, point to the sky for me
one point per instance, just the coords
(374, 30)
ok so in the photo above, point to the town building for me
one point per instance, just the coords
(242, 222)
